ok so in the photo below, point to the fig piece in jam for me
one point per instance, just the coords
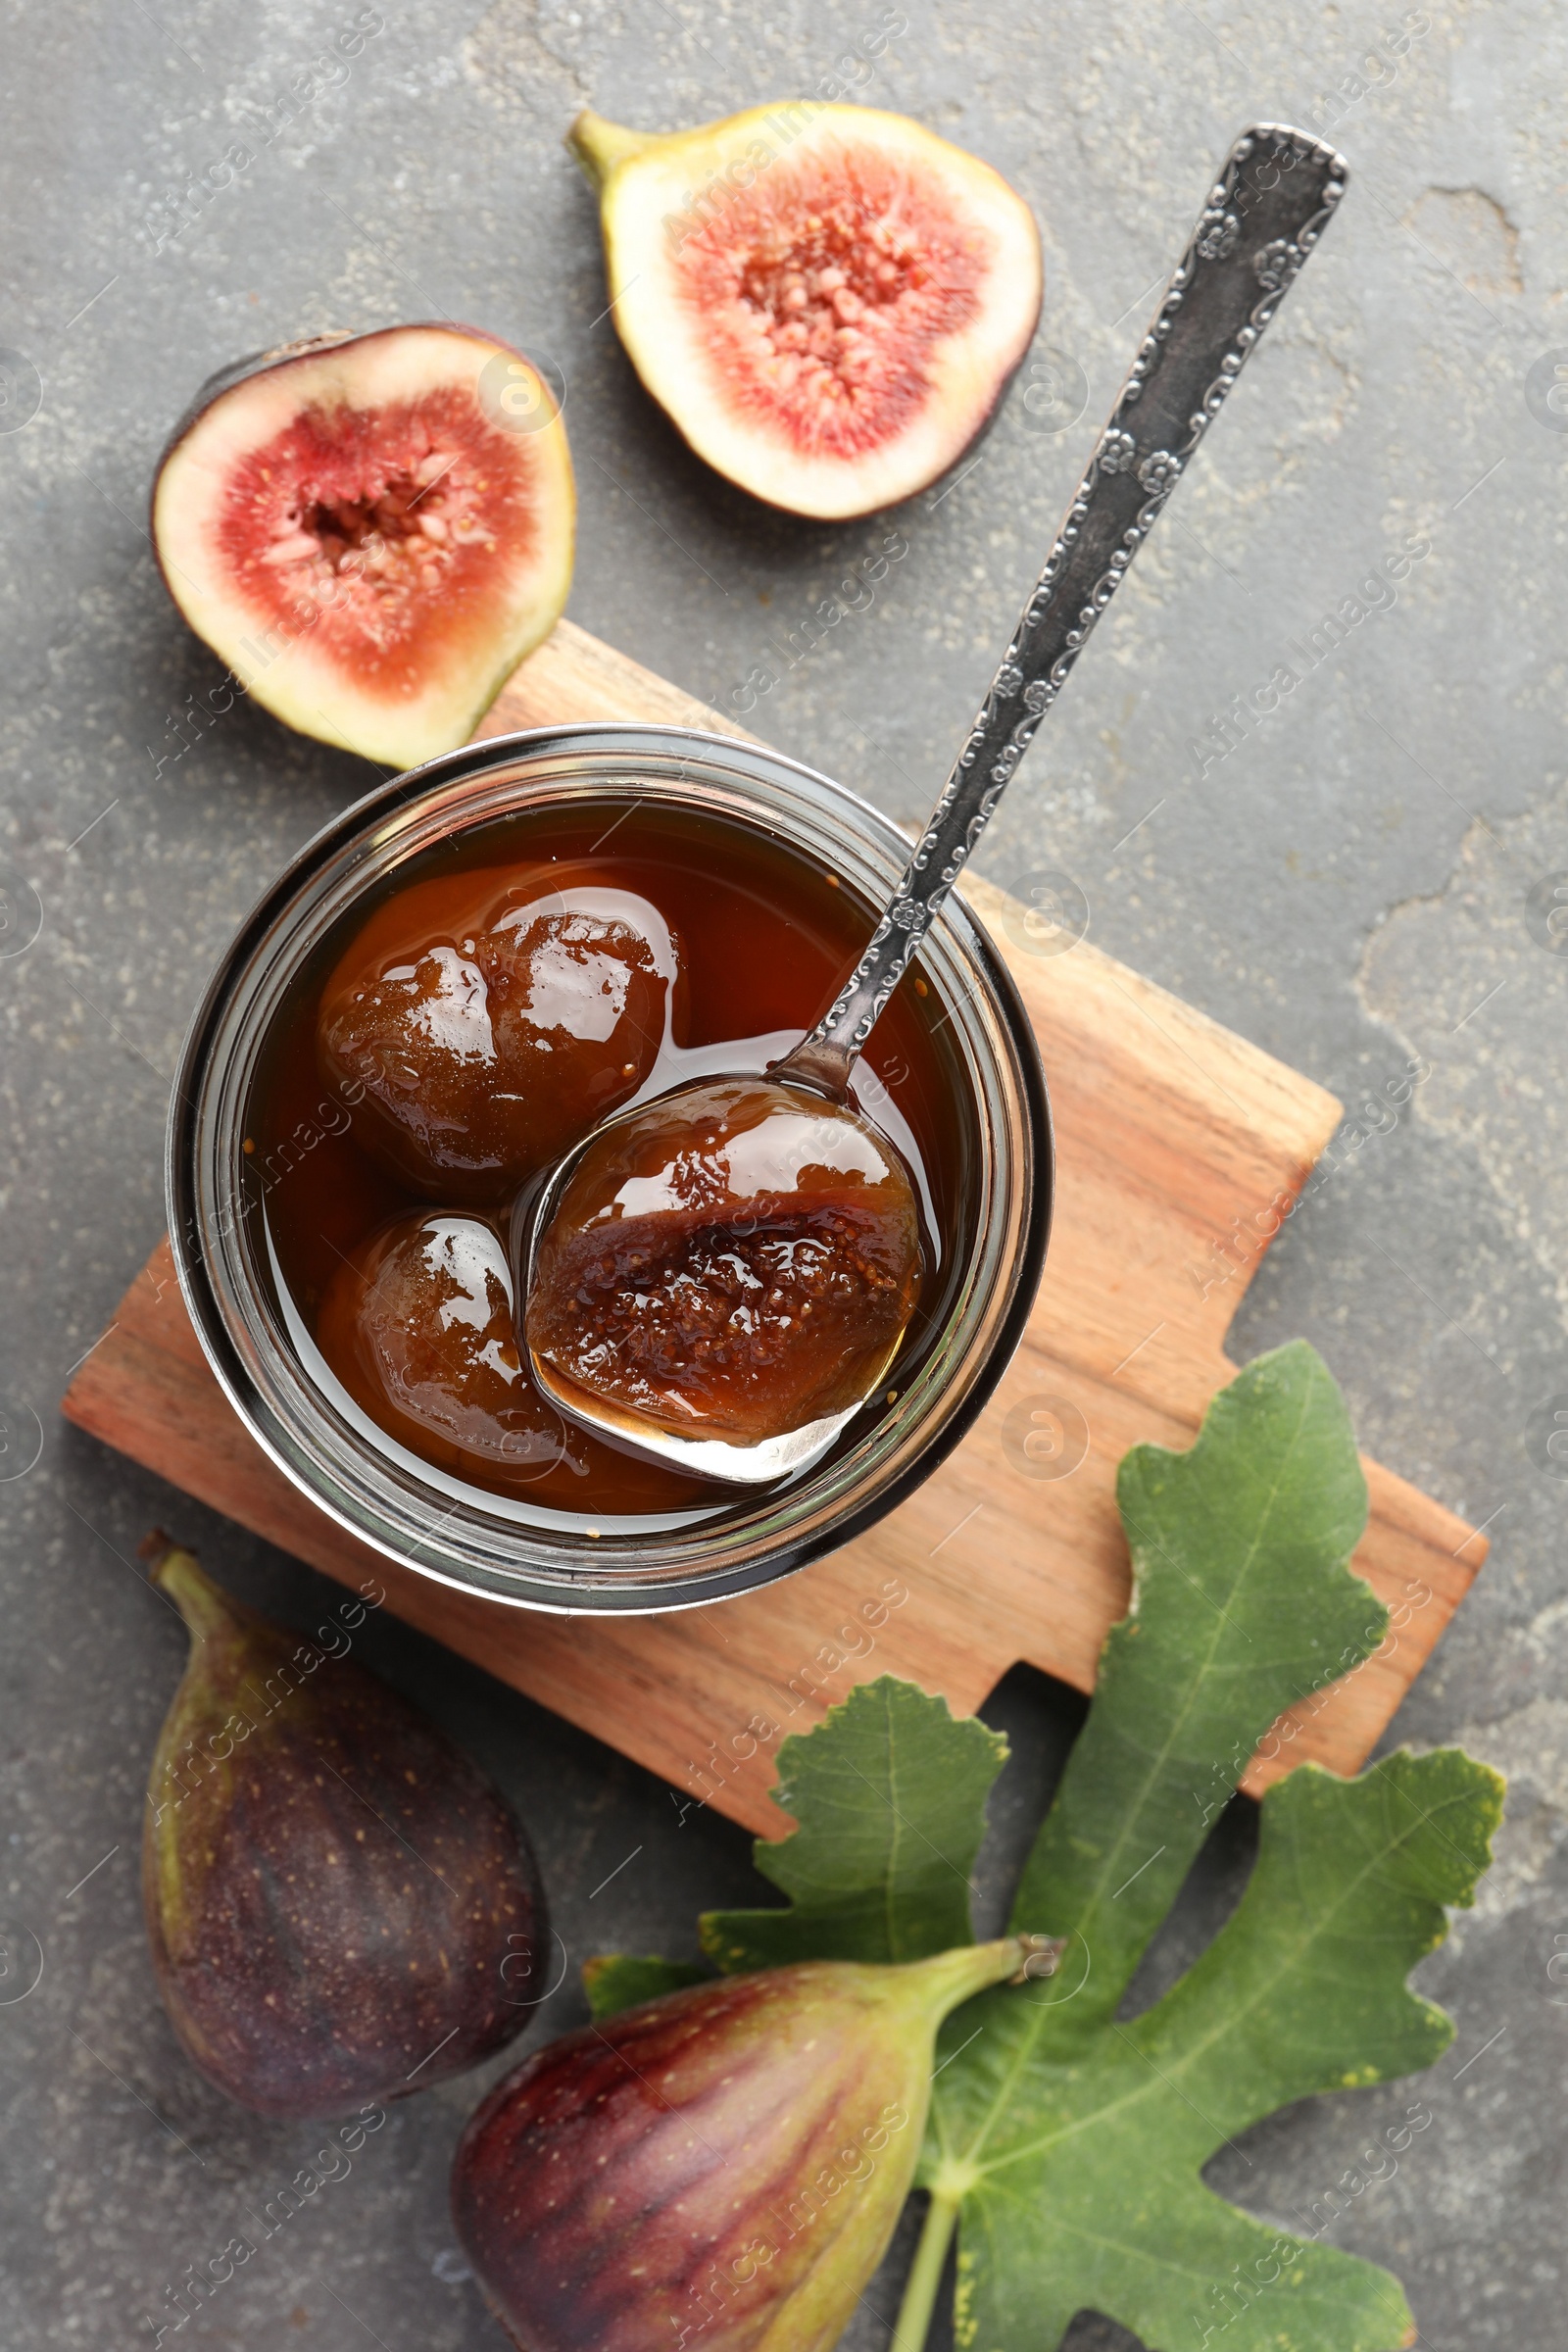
(418, 1326)
(491, 1029)
(736, 1262)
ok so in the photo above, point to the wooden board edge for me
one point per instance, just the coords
(1341, 1723)
(1301, 1115)
(576, 678)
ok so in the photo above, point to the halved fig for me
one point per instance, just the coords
(828, 301)
(371, 530)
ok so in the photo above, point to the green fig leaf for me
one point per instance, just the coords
(1243, 1601)
(1075, 2171)
(616, 1980)
(1069, 2143)
(889, 1798)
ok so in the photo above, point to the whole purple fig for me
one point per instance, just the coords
(721, 2168)
(341, 1907)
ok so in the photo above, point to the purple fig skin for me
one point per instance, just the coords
(720, 2169)
(341, 1908)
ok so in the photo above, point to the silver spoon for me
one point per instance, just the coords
(1262, 217)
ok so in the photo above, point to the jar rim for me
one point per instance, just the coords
(474, 1545)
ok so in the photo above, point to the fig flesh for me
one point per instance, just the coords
(372, 531)
(417, 1325)
(332, 1891)
(724, 2166)
(491, 1025)
(827, 300)
(737, 1260)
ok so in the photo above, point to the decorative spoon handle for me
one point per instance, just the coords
(1264, 215)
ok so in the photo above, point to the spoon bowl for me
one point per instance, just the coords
(738, 1232)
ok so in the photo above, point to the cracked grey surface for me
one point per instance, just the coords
(1348, 885)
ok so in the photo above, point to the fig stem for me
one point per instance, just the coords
(925, 2275)
(958, 1976)
(1012, 1960)
(205, 1607)
(599, 146)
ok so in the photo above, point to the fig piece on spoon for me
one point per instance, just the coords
(1263, 216)
(733, 1265)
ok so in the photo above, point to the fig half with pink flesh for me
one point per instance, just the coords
(828, 301)
(372, 531)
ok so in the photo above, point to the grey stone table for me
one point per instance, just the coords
(1346, 879)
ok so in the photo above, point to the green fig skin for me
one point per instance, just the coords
(721, 2168)
(341, 1908)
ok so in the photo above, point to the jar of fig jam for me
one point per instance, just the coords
(343, 1214)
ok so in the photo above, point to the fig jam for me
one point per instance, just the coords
(616, 948)
(487, 1030)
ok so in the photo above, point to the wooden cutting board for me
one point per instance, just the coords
(1173, 1137)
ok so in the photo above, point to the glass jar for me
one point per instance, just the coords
(492, 1545)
